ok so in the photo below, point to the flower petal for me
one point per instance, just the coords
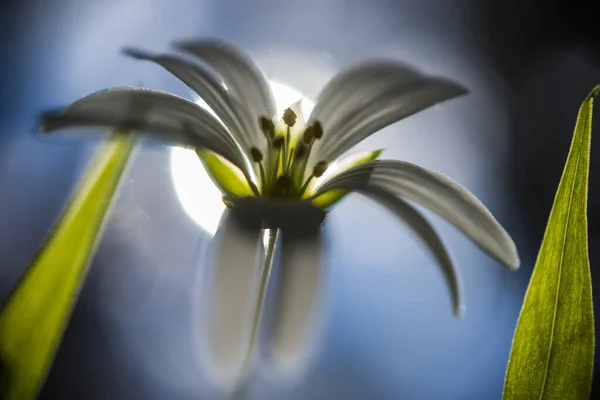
(437, 193)
(211, 90)
(161, 115)
(229, 179)
(356, 85)
(236, 281)
(387, 107)
(428, 234)
(298, 292)
(241, 75)
(330, 198)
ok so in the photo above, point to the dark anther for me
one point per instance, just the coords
(289, 117)
(256, 155)
(308, 135)
(318, 130)
(267, 126)
(278, 142)
(320, 169)
(300, 150)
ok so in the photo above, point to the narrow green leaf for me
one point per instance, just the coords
(553, 348)
(34, 318)
(331, 197)
(229, 179)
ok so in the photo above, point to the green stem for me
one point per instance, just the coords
(242, 392)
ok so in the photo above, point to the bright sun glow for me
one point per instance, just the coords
(199, 196)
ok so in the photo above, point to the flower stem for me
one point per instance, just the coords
(242, 392)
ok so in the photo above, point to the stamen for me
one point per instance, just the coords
(318, 130)
(289, 117)
(283, 187)
(267, 127)
(308, 135)
(300, 151)
(290, 161)
(286, 147)
(320, 169)
(278, 142)
(256, 155)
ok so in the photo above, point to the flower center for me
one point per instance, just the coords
(282, 169)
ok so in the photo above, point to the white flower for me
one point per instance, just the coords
(267, 168)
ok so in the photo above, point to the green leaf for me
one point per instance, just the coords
(36, 314)
(229, 179)
(553, 348)
(331, 197)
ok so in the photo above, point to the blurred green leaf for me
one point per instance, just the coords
(229, 179)
(36, 314)
(553, 349)
(331, 197)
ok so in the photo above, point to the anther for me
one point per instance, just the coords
(318, 130)
(289, 117)
(320, 169)
(278, 142)
(256, 155)
(300, 150)
(267, 126)
(308, 135)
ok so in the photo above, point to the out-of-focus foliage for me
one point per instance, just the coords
(33, 320)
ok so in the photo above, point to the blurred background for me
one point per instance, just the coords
(389, 332)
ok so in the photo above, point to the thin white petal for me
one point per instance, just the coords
(437, 193)
(241, 75)
(161, 115)
(209, 88)
(351, 88)
(298, 295)
(427, 233)
(388, 107)
(356, 85)
(235, 287)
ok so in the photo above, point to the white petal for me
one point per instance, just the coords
(428, 234)
(241, 75)
(161, 115)
(235, 287)
(437, 193)
(355, 86)
(209, 88)
(298, 296)
(352, 88)
(389, 107)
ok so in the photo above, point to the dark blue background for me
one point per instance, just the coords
(390, 333)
